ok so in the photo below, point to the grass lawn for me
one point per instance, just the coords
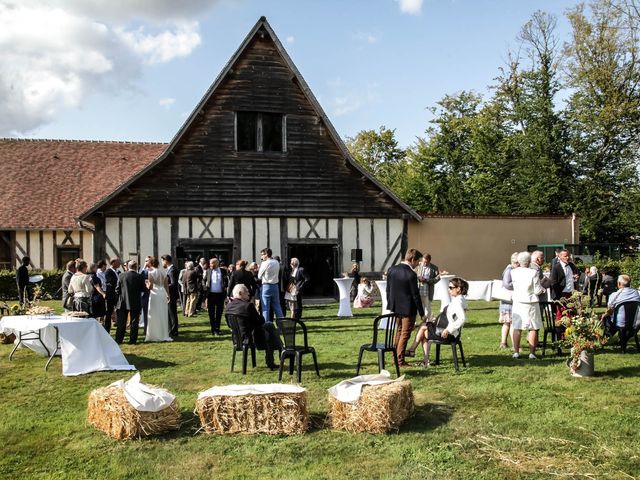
(498, 418)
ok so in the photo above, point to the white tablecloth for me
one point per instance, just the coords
(441, 291)
(344, 287)
(85, 345)
(479, 290)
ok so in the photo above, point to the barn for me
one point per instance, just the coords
(256, 164)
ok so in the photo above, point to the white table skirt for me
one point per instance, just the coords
(480, 290)
(344, 287)
(85, 345)
(441, 291)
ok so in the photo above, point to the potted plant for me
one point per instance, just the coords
(583, 333)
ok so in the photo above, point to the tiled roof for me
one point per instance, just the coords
(48, 183)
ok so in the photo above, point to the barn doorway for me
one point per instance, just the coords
(195, 251)
(320, 262)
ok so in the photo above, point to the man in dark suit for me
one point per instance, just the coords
(295, 274)
(403, 299)
(216, 284)
(129, 290)
(564, 277)
(111, 281)
(66, 279)
(172, 279)
(252, 325)
(22, 280)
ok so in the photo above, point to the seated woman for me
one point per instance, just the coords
(454, 313)
(363, 298)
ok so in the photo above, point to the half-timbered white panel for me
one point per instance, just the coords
(34, 248)
(112, 240)
(146, 237)
(348, 242)
(49, 250)
(247, 240)
(183, 227)
(164, 236)
(129, 239)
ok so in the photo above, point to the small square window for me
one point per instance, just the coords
(260, 132)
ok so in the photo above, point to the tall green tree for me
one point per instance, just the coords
(604, 115)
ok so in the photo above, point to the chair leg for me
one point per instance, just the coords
(315, 362)
(253, 356)
(244, 359)
(544, 342)
(359, 361)
(464, 364)
(380, 360)
(299, 366)
(280, 367)
(454, 354)
(233, 358)
(395, 362)
(437, 354)
(291, 364)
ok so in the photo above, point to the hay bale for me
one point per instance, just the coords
(380, 409)
(273, 413)
(110, 411)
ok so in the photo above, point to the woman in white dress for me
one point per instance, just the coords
(158, 316)
(526, 309)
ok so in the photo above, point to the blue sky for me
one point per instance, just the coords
(134, 69)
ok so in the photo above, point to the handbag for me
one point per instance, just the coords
(441, 322)
(68, 302)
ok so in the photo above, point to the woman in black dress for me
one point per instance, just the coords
(98, 306)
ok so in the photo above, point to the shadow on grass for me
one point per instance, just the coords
(507, 361)
(428, 417)
(633, 371)
(146, 362)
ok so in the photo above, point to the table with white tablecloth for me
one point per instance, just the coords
(83, 343)
(479, 290)
(344, 289)
(441, 291)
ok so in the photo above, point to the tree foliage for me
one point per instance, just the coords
(522, 151)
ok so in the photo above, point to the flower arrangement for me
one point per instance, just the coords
(583, 328)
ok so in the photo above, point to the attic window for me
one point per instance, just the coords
(260, 132)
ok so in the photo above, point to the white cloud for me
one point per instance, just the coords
(291, 39)
(345, 102)
(412, 7)
(366, 37)
(166, 102)
(54, 53)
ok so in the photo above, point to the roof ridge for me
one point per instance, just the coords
(65, 140)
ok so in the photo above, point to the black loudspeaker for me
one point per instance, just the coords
(356, 254)
(180, 252)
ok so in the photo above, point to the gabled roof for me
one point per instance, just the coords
(261, 25)
(48, 183)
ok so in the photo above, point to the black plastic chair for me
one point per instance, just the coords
(454, 342)
(387, 345)
(625, 333)
(240, 344)
(548, 312)
(289, 328)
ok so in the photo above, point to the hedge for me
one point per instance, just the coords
(51, 283)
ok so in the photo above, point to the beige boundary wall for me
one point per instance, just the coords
(479, 247)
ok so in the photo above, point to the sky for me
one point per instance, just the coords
(133, 70)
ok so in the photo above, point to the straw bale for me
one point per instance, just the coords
(380, 409)
(110, 411)
(270, 413)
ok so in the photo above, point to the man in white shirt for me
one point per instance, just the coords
(215, 285)
(268, 274)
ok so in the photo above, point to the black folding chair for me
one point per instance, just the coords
(548, 312)
(240, 344)
(454, 342)
(289, 328)
(625, 333)
(386, 345)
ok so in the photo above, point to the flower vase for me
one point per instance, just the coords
(585, 367)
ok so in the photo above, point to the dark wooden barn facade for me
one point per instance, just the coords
(256, 164)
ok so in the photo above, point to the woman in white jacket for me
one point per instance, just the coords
(526, 310)
(455, 313)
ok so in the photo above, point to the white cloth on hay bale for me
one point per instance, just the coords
(349, 391)
(143, 397)
(258, 389)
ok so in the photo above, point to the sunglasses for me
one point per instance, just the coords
(451, 287)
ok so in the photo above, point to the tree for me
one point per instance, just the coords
(377, 151)
(604, 115)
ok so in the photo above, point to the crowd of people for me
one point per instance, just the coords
(148, 296)
(527, 285)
